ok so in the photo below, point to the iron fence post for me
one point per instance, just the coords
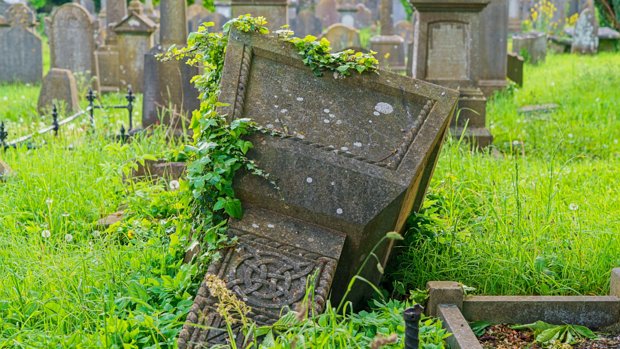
(91, 106)
(3, 135)
(55, 124)
(130, 99)
(412, 326)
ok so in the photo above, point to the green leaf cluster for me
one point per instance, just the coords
(547, 334)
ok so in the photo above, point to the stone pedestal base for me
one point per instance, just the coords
(471, 118)
(390, 52)
(489, 87)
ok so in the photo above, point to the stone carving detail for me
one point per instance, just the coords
(264, 273)
(448, 51)
(19, 15)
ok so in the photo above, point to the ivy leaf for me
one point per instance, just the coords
(233, 208)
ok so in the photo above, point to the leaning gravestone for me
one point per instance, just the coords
(532, 45)
(514, 69)
(59, 86)
(351, 158)
(342, 37)
(72, 39)
(585, 37)
(21, 59)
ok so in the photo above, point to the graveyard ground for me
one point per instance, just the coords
(538, 214)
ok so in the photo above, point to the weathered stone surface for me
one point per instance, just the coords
(116, 10)
(538, 108)
(160, 169)
(72, 39)
(107, 63)
(195, 16)
(390, 51)
(494, 47)
(363, 16)
(275, 11)
(593, 312)
(446, 50)
(307, 23)
(515, 68)
(404, 29)
(614, 283)
(453, 321)
(585, 37)
(351, 158)
(58, 87)
(135, 39)
(107, 221)
(342, 37)
(347, 13)
(21, 59)
(608, 39)
(5, 170)
(532, 46)
(326, 11)
(443, 292)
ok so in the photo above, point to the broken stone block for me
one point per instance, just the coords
(351, 157)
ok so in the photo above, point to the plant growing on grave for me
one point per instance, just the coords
(318, 55)
(548, 334)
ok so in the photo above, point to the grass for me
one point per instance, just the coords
(538, 214)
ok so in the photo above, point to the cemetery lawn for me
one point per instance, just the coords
(538, 214)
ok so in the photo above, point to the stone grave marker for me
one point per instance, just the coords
(135, 38)
(275, 11)
(390, 48)
(326, 11)
(72, 39)
(196, 14)
(585, 36)
(608, 39)
(59, 86)
(532, 44)
(515, 68)
(404, 29)
(363, 17)
(21, 58)
(351, 158)
(446, 50)
(307, 23)
(342, 37)
(348, 14)
(167, 85)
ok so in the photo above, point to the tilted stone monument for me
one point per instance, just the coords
(72, 39)
(167, 85)
(585, 36)
(351, 158)
(342, 37)
(494, 47)
(58, 87)
(515, 68)
(135, 38)
(21, 58)
(446, 51)
(275, 11)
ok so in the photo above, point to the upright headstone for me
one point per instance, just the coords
(585, 37)
(347, 13)
(342, 37)
(275, 11)
(446, 50)
(515, 68)
(59, 87)
(72, 39)
(327, 12)
(390, 48)
(169, 95)
(404, 29)
(494, 47)
(21, 58)
(363, 17)
(135, 38)
(307, 23)
(352, 158)
(196, 15)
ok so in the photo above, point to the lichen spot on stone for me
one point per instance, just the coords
(358, 144)
(300, 99)
(384, 108)
(133, 23)
(339, 211)
(309, 180)
(326, 121)
(326, 111)
(376, 113)
(270, 226)
(338, 122)
(332, 115)
(344, 148)
(284, 111)
(256, 226)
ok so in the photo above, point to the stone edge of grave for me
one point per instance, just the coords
(448, 301)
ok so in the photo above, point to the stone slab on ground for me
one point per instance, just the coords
(538, 108)
(351, 158)
(59, 86)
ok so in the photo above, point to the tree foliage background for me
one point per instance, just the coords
(610, 12)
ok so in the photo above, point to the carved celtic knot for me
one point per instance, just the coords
(269, 279)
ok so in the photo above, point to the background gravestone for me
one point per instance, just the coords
(21, 58)
(307, 23)
(72, 39)
(351, 157)
(58, 87)
(326, 11)
(494, 47)
(585, 35)
(446, 51)
(515, 68)
(275, 11)
(532, 46)
(342, 37)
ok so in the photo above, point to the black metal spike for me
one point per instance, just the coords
(130, 99)
(55, 124)
(90, 96)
